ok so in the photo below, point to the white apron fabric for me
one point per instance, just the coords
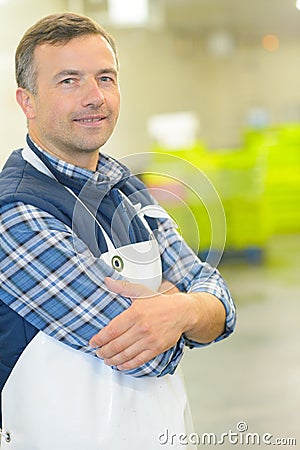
(58, 398)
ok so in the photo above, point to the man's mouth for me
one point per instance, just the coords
(90, 119)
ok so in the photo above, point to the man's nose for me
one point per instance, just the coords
(92, 94)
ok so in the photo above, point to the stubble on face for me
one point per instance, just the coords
(72, 141)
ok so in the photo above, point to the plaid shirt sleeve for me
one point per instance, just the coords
(185, 270)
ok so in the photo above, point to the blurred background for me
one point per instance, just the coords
(211, 99)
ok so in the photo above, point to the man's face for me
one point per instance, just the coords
(77, 103)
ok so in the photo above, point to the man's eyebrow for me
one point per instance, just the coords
(66, 72)
(72, 72)
(108, 70)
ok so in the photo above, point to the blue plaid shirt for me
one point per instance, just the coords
(43, 279)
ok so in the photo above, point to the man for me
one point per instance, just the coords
(81, 271)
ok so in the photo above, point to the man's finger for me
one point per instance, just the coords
(116, 327)
(140, 359)
(167, 288)
(127, 289)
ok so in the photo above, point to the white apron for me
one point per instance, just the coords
(58, 398)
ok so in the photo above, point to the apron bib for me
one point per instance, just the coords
(58, 398)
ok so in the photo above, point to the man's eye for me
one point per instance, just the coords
(106, 79)
(68, 81)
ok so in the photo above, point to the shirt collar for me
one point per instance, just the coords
(108, 169)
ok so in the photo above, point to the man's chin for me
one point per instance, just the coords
(90, 145)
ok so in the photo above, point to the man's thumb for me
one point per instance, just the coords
(128, 289)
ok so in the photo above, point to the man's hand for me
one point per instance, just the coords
(151, 325)
(155, 322)
(167, 288)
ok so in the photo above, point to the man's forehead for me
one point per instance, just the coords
(51, 46)
(76, 48)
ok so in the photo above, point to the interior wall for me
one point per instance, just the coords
(159, 76)
(16, 17)
(162, 71)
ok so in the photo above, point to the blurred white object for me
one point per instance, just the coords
(129, 12)
(221, 44)
(174, 130)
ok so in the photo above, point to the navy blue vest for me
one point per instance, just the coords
(20, 182)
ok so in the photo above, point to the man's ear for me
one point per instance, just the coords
(26, 101)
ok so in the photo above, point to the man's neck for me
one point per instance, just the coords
(84, 160)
